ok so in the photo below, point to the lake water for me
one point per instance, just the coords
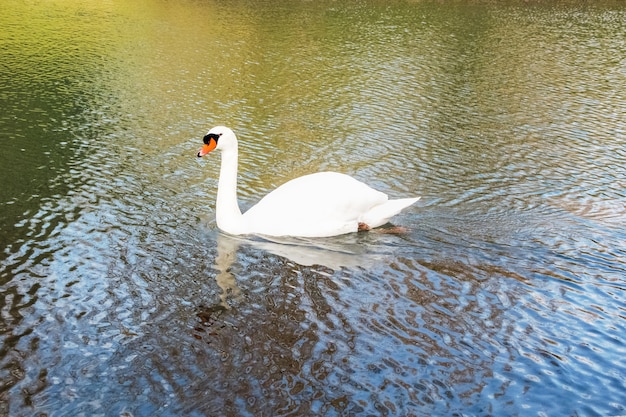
(505, 296)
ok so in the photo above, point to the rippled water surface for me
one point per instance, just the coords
(119, 296)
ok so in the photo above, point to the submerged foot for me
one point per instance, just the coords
(363, 227)
(393, 230)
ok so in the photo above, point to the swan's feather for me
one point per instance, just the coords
(382, 213)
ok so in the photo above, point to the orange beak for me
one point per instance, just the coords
(207, 147)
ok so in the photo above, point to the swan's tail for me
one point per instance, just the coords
(382, 213)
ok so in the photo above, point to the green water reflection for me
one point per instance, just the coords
(54, 56)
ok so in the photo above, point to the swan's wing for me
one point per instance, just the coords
(321, 204)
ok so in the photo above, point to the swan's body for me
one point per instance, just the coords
(316, 205)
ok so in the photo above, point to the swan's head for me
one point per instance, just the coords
(220, 137)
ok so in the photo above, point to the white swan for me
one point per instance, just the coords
(317, 205)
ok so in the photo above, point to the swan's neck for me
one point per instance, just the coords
(228, 214)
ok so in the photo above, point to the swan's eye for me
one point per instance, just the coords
(210, 136)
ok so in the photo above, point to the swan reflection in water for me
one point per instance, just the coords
(226, 254)
(348, 251)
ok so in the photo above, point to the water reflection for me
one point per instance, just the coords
(350, 251)
(226, 252)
